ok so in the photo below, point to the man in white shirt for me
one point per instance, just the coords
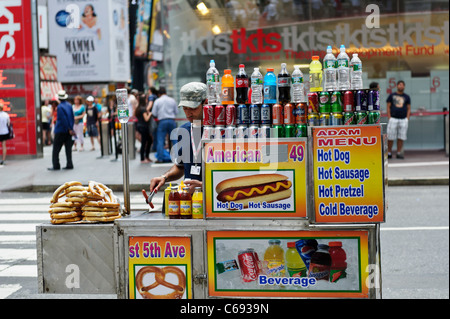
(165, 109)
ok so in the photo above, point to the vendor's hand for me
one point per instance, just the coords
(156, 183)
(193, 183)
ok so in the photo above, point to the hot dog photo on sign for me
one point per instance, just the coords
(253, 191)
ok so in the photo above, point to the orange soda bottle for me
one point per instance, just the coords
(227, 95)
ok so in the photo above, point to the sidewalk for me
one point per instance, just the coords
(418, 168)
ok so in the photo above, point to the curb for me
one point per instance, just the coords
(417, 181)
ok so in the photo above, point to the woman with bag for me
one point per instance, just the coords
(143, 116)
(5, 123)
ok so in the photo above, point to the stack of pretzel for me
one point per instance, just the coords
(73, 202)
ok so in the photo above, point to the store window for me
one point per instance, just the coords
(399, 40)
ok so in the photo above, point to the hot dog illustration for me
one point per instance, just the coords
(255, 188)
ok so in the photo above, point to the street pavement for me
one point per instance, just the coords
(418, 168)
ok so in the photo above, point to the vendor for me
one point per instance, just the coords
(189, 164)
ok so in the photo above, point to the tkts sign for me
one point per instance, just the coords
(301, 38)
(17, 80)
(9, 28)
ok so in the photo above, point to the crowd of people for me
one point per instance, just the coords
(153, 113)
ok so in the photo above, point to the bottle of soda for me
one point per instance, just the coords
(338, 261)
(298, 88)
(227, 88)
(270, 87)
(315, 75)
(320, 264)
(257, 87)
(241, 85)
(356, 72)
(343, 70)
(212, 84)
(329, 66)
(294, 263)
(284, 85)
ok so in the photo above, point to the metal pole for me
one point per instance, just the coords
(125, 168)
(123, 115)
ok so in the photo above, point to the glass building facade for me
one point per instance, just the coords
(396, 40)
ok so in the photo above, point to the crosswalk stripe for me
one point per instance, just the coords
(17, 254)
(12, 228)
(8, 290)
(24, 216)
(19, 271)
(13, 239)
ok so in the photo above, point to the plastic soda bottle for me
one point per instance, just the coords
(315, 75)
(284, 85)
(123, 112)
(270, 87)
(274, 258)
(294, 263)
(241, 85)
(320, 264)
(227, 88)
(329, 70)
(298, 88)
(356, 72)
(338, 261)
(256, 87)
(212, 84)
(343, 70)
(197, 203)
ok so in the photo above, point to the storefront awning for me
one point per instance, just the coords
(49, 89)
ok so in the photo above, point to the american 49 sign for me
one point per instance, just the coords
(348, 174)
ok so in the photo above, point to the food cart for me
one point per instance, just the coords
(333, 183)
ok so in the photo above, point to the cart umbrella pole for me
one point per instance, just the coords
(123, 115)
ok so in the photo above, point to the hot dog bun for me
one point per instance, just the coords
(265, 198)
(248, 181)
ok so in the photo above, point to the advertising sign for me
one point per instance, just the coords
(90, 40)
(312, 264)
(348, 174)
(160, 268)
(265, 178)
(17, 76)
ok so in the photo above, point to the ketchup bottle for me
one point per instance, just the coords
(338, 261)
(174, 203)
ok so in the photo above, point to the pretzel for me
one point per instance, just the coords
(61, 204)
(97, 190)
(160, 275)
(58, 191)
(101, 204)
(56, 210)
(75, 189)
(100, 214)
(101, 219)
(65, 215)
(65, 220)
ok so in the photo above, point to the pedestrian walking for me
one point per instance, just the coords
(165, 110)
(5, 122)
(79, 112)
(46, 116)
(143, 127)
(92, 115)
(398, 112)
(63, 132)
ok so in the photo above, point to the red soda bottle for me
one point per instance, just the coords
(241, 85)
(338, 261)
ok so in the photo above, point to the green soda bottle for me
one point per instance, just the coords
(294, 263)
